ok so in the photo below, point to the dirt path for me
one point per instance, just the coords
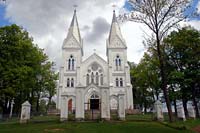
(196, 129)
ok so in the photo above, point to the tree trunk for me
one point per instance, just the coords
(195, 102)
(184, 100)
(37, 103)
(175, 105)
(163, 79)
(5, 109)
(157, 94)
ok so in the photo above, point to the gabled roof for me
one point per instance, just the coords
(74, 30)
(115, 30)
(96, 57)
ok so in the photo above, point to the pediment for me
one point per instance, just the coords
(117, 43)
(71, 42)
(95, 58)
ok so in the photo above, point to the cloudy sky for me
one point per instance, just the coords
(48, 21)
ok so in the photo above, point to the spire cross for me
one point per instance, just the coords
(75, 6)
(114, 6)
(94, 50)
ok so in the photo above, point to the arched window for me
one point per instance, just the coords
(68, 82)
(97, 78)
(101, 79)
(71, 63)
(92, 77)
(117, 82)
(87, 79)
(121, 82)
(72, 82)
(118, 62)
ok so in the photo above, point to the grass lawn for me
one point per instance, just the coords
(52, 124)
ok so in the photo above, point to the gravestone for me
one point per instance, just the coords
(25, 112)
(181, 113)
(191, 112)
(121, 109)
(158, 111)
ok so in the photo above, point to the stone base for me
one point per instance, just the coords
(182, 119)
(23, 121)
(159, 119)
(79, 119)
(122, 118)
(105, 119)
(63, 119)
(192, 118)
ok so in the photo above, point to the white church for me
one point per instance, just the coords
(94, 83)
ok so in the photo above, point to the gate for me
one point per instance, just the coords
(93, 110)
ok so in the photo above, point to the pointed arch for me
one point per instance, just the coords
(121, 82)
(117, 82)
(68, 82)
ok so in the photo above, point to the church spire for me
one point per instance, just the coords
(115, 29)
(74, 29)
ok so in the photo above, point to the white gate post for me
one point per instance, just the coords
(105, 106)
(121, 106)
(64, 108)
(80, 110)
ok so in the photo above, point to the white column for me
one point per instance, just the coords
(80, 111)
(78, 75)
(105, 106)
(64, 108)
(121, 106)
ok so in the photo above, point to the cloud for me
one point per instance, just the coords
(48, 21)
(198, 7)
(99, 28)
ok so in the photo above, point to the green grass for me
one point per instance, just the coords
(84, 127)
(51, 124)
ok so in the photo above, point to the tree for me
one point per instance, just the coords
(183, 48)
(20, 61)
(159, 16)
(146, 83)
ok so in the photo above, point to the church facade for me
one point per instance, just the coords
(94, 83)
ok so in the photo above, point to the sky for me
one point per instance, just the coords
(47, 21)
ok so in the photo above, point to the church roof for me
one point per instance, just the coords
(115, 29)
(95, 57)
(74, 29)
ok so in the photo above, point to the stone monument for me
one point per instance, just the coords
(191, 112)
(158, 111)
(181, 113)
(25, 112)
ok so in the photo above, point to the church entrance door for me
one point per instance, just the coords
(94, 104)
